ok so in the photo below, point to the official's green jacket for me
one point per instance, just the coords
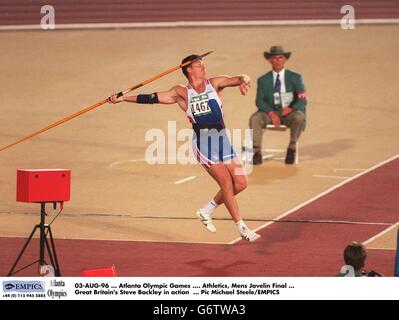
(293, 83)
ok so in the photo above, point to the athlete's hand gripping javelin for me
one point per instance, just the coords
(115, 99)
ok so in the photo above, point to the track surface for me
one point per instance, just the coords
(286, 248)
(352, 126)
(14, 12)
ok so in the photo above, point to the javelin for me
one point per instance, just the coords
(100, 103)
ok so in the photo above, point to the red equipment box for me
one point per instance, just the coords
(43, 185)
(100, 272)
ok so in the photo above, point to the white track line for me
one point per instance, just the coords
(348, 169)
(142, 160)
(342, 222)
(188, 242)
(185, 180)
(126, 240)
(381, 233)
(322, 194)
(177, 24)
(334, 177)
(382, 248)
(124, 161)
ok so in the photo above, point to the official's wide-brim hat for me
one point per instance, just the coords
(276, 51)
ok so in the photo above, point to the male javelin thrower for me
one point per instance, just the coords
(201, 102)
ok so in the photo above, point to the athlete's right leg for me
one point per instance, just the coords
(223, 174)
(240, 182)
(229, 185)
(239, 178)
(220, 173)
(232, 179)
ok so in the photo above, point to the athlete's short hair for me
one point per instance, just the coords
(192, 58)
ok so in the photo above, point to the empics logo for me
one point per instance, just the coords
(23, 286)
(8, 286)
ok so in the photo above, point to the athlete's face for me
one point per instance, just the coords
(198, 69)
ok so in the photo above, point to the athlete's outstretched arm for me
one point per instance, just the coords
(165, 97)
(241, 81)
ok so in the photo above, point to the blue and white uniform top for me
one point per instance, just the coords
(211, 144)
(204, 107)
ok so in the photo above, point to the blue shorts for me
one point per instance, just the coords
(211, 147)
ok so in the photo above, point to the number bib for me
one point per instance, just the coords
(199, 105)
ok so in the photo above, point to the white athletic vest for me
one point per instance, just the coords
(204, 107)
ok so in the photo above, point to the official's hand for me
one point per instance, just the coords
(275, 118)
(115, 99)
(245, 84)
(286, 111)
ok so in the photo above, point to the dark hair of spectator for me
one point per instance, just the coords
(355, 255)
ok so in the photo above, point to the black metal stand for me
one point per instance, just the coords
(43, 243)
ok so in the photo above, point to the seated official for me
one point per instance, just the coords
(281, 100)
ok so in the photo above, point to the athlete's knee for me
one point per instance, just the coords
(240, 185)
(225, 183)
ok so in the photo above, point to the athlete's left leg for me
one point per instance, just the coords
(238, 176)
(232, 180)
(240, 182)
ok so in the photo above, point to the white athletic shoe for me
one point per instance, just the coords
(249, 235)
(206, 220)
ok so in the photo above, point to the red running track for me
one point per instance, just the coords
(286, 248)
(22, 12)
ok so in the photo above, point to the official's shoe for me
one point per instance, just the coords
(206, 220)
(290, 157)
(249, 235)
(257, 158)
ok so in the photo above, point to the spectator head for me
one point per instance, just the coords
(355, 255)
